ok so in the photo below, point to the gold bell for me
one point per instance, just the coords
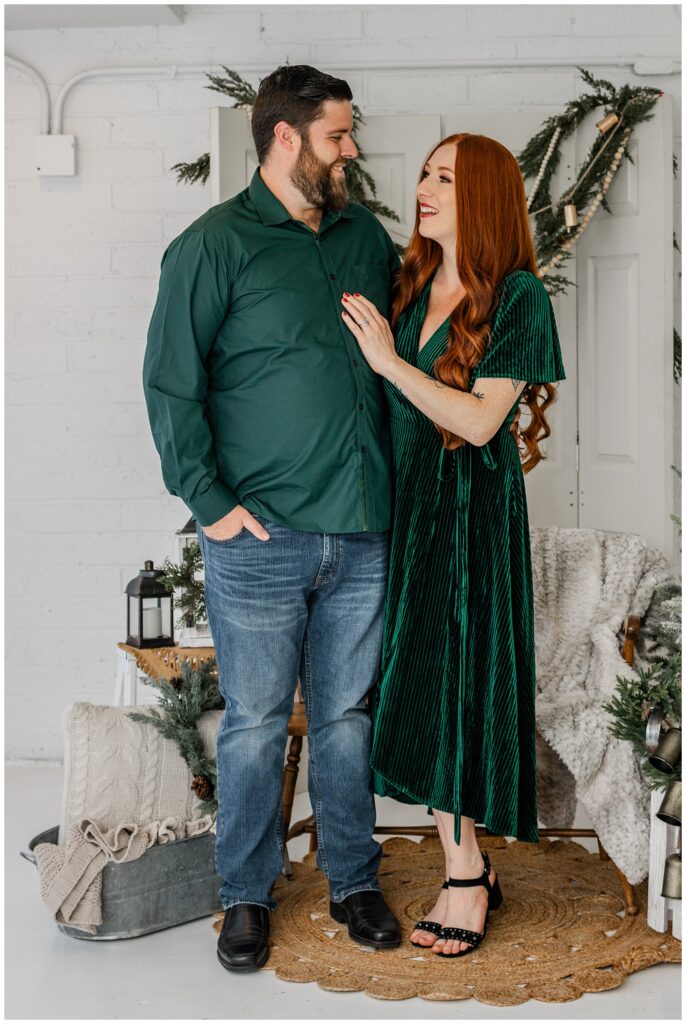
(571, 219)
(607, 122)
(668, 753)
(671, 882)
(670, 808)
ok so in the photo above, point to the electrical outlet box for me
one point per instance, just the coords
(56, 154)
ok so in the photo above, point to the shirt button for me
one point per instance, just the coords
(355, 362)
(361, 406)
(332, 276)
(363, 450)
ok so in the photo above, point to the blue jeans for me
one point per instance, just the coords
(309, 605)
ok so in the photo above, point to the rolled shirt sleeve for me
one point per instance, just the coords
(192, 303)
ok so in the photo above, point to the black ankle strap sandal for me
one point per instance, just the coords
(495, 898)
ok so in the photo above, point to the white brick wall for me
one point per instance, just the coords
(85, 499)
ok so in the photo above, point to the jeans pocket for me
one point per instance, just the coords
(228, 541)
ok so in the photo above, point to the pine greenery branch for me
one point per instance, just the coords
(231, 84)
(632, 105)
(631, 705)
(182, 702)
(189, 591)
(658, 664)
(197, 171)
(556, 284)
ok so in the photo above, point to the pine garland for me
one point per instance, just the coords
(598, 200)
(632, 106)
(182, 701)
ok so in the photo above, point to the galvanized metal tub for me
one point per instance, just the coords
(170, 884)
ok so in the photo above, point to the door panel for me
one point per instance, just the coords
(625, 343)
(395, 149)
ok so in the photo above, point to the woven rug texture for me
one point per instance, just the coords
(560, 931)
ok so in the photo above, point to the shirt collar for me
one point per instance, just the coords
(272, 210)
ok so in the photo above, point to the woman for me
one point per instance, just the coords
(475, 336)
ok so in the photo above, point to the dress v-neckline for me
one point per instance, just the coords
(425, 303)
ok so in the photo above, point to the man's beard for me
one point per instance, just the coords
(314, 179)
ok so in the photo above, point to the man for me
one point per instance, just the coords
(271, 428)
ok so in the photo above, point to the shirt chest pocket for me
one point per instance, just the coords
(372, 281)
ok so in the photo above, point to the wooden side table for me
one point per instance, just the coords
(158, 662)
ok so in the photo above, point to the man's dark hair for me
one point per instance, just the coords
(293, 93)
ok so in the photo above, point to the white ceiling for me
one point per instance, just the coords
(28, 16)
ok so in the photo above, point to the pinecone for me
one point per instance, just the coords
(202, 786)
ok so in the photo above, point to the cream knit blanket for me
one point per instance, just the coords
(126, 787)
(71, 874)
(585, 584)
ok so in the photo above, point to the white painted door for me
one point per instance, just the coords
(625, 308)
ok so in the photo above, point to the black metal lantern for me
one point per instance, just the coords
(149, 610)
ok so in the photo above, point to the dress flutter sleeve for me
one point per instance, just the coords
(524, 342)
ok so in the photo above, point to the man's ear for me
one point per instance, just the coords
(287, 136)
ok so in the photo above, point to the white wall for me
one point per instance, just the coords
(85, 500)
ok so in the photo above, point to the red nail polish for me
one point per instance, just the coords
(356, 294)
(346, 293)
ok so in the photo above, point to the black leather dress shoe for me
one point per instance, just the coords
(368, 919)
(243, 944)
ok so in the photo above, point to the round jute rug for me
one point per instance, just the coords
(560, 931)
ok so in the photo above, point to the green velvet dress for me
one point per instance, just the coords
(454, 708)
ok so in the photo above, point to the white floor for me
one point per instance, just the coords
(175, 974)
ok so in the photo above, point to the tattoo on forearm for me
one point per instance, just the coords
(478, 394)
(515, 383)
(398, 388)
(438, 383)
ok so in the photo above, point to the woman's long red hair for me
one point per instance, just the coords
(493, 240)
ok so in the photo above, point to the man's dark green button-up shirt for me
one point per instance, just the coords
(257, 392)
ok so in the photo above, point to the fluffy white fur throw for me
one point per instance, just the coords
(585, 584)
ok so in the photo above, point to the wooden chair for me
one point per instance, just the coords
(297, 728)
